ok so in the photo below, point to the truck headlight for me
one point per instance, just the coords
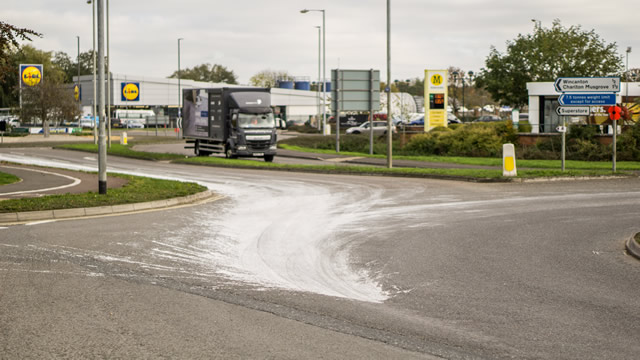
(242, 147)
(273, 147)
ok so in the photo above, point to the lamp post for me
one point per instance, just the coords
(324, 69)
(108, 71)
(102, 144)
(626, 77)
(470, 73)
(389, 133)
(455, 88)
(318, 125)
(78, 60)
(179, 90)
(93, 105)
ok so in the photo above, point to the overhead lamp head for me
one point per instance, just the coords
(304, 11)
(628, 49)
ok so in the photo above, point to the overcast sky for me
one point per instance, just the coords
(248, 36)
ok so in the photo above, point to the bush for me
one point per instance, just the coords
(524, 126)
(477, 139)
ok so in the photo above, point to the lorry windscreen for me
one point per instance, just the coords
(246, 121)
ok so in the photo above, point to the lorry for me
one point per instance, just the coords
(235, 121)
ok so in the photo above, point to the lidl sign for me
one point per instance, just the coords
(30, 74)
(130, 91)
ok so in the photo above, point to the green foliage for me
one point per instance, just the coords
(478, 139)
(628, 144)
(6, 179)
(543, 56)
(48, 102)
(138, 189)
(210, 73)
(9, 36)
(524, 126)
(268, 78)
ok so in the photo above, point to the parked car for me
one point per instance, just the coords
(133, 124)
(488, 118)
(417, 122)
(452, 119)
(379, 127)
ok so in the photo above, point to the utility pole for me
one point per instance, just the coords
(389, 133)
(102, 141)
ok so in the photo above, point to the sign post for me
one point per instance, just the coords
(578, 93)
(355, 90)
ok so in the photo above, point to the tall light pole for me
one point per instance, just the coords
(389, 133)
(470, 73)
(626, 77)
(455, 92)
(179, 91)
(94, 104)
(108, 71)
(318, 124)
(78, 60)
(102, 144)
(324, 69)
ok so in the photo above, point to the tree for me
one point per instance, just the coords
(269, 78)
(209, 73)
(70, 66)
(49, 101)
(9, 36)
(543, 56)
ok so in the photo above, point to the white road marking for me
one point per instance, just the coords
(89, 158)
(40, 222)
(75, 182)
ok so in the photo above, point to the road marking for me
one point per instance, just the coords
(343, 159)
(89, 158)
(39, 222)
(2, 227)
(76, 181)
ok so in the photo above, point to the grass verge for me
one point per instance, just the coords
(480, 161)
(462, 174)
(121, 150)
(6, 179)
(138, 189)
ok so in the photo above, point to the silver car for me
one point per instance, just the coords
(379, 127)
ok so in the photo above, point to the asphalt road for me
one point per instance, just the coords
(322, 266)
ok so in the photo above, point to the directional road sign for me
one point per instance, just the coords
(587, 99)
(587, 84)
(573, 111)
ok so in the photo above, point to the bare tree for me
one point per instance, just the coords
(49, 102)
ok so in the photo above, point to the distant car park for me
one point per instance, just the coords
(488, 118)
(379, 127)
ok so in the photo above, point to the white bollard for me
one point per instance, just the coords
(123, 138)
(509, 160)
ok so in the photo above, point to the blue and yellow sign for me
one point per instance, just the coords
(30, 74)
(130, 91)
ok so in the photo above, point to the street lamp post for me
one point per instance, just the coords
(389, 133)
(324, 69)
(179, 90)
(102, 144)
(108, 71)
(470, 73)
(455, 92)
(78, 60)
(318, 124)
(626, 77)
(94, 104)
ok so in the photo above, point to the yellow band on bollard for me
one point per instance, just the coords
(509, 160)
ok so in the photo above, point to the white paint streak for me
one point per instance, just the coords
(75, 181)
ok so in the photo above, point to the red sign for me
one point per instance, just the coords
(614, 112)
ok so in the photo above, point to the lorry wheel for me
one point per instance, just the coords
(268, 158)
(198, 151)
(228, 152)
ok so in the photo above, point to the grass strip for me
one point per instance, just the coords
(462, 174)
(122, 150)
(138, 189)
(541, 164)
(6, 179)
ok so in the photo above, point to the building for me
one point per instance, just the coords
(162, 96)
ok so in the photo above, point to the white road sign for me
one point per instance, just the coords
(587, 84)
(573, 111)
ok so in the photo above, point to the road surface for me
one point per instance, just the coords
(322, 266)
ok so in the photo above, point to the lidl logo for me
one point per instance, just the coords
(436, 80)
(31, 75)
(130, 91)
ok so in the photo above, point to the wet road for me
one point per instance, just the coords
(305, 266)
